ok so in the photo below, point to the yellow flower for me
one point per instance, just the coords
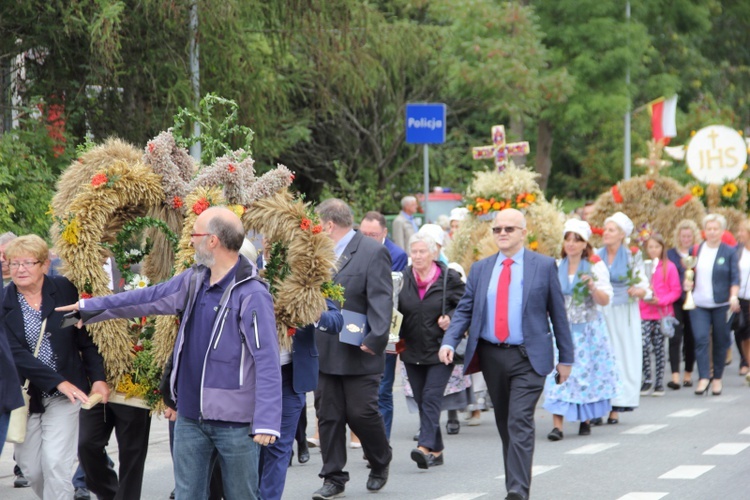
(71, 231)
(239, 210)
(729, 189)
(744, 167)
(530, 198)
(697, 191)
(470, 208)
(533, 245)
(496, 205)
(692, 133)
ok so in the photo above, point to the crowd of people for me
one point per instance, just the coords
(593, 341)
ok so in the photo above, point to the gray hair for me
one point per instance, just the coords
(336, 211)
(406, 200)
(7, 237)
(230, 232)
(424, 238)
(715, 218)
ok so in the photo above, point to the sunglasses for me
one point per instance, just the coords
(507, 229)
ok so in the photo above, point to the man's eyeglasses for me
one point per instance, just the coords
(196, 235)
(507, 229)
(25, 265)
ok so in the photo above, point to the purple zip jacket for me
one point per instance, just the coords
(239, 384)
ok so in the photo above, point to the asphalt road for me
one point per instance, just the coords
(679, 446)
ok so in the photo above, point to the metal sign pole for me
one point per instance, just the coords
(426, 149)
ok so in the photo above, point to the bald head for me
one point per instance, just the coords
(224, 224)
(511, 215)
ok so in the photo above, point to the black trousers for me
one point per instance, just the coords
(682, 343)
(428, 385)
(132, 427)
(514, 388)
(353, 400)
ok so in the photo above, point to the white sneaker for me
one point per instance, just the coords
(313, 442)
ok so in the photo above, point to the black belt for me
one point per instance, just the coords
(501, 345)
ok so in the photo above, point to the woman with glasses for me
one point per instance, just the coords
(623, 316)
(66, 366)
(592, 383)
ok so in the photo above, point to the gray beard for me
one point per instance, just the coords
(204, 259)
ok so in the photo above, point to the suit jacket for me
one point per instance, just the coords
(402, 230)
(399, 259)
(10, 392)
(726, 271)
(305, 351)
(78, 359)
(674, 256)
(364, 270)
(542, 303)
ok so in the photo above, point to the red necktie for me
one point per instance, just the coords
(501, 302)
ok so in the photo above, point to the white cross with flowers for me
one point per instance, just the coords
(500, 150)
(654, 161)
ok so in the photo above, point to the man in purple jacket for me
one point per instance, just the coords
(226, 377)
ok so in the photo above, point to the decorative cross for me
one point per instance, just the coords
(500, 150)
(654, 161)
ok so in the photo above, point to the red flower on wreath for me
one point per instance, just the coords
(305, 224)
(200, 205)
(597, 230)
(683, 200)
(650, 184)
(99, 179)
(317, 228)
(150, 147)
(291, 331)
(137, 348)
(616, 195)
(595, 259)
(85, 295)
(232, 169)
(177, 202)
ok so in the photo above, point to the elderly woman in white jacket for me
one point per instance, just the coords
(623, 317)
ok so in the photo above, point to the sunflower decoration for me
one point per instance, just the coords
(730, 195)
(698, 192)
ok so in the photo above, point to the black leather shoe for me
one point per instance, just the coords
(584, 429)
(453, 426)
(20, 481)
(329, 491)
(514, 495)
(613, 421)
(82, 494)
(171, 495)
(303, 454)
(377, 480)
(673, 385)
(416, 436)
(596, 421)
(555, 434)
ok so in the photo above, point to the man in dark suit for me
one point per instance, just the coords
(347, 390)
(509, 298)
(374, 226)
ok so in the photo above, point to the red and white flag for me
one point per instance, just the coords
(663, 125)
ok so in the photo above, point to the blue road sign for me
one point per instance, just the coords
(425, 123)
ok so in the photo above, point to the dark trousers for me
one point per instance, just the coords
(707, 324)
(274, 459)
(385, 393)
(682, 343)
(301, 434)
(514, 388)
(132, 427)
(353, 400)
(428, 385)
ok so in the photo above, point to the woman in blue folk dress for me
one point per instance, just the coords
(587, 393)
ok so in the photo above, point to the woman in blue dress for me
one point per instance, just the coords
(587, 393)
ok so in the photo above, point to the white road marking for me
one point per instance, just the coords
(726, 449)
(644, 495)
(746, 430)
(687, 472)
(688, 413)
(461, 496)
(644, 429)
(591, 449)
(536, 470)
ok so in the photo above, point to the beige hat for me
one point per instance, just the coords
(459, 213)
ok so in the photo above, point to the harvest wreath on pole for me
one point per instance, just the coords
(113, 188)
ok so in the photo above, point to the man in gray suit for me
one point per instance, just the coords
(404, 224)
(508, 300)
(350, 375)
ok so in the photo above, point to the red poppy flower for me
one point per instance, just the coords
(99, 179)
(317, 228)
(232, 168)
(650, 184)
(595, 259)
(291, 331)
(177, 202)
(138, 348)
(681, 201)
(597, 230)
(86, 295)
(305, 224)
(200, 205)
(616, 196)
